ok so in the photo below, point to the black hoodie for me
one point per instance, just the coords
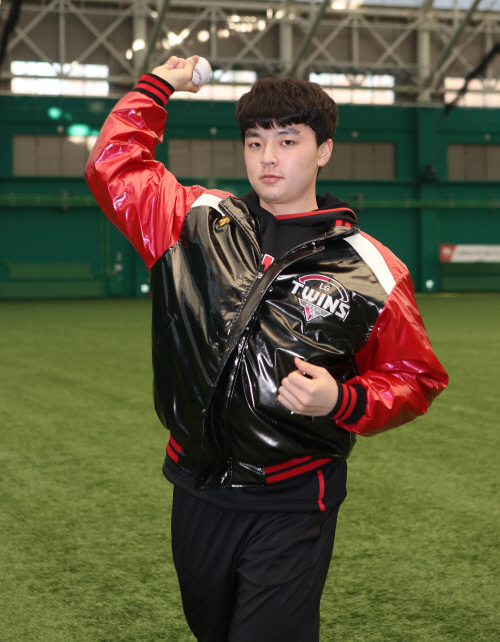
(280, 234)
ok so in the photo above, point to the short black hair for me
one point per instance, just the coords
(287, 101)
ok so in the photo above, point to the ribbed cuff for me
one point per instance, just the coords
(155, 87)
(351, 404)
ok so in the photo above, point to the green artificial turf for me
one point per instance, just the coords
(84, 509)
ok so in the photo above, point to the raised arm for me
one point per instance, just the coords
(135, 191)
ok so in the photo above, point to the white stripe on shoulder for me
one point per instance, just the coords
(208, 199)
(369, 253)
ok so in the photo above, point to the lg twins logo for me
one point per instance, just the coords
(320, 296)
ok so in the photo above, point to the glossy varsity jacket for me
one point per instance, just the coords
(226, 327)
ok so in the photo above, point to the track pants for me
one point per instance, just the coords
(249, 576)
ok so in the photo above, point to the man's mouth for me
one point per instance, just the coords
(270, 178)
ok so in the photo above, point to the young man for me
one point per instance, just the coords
(280, 331)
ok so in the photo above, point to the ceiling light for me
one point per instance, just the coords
(203, 35)
(138, 44)
(174, 39)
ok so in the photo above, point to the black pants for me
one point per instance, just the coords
(250, 576)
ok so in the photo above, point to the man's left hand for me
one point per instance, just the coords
(309, 390)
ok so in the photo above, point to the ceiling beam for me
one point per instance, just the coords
(307, 40)
(155, 35)
(429, 81)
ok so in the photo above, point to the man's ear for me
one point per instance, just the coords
(325, 151)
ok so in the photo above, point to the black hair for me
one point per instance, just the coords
(287, 101)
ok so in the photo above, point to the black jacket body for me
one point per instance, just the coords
(225, 333)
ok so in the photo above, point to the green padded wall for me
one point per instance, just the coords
(54, 241)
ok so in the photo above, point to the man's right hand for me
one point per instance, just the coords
(178, 72)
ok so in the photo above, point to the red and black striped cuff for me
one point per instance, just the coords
(155, 87)
(351, 404)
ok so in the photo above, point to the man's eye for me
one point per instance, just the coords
(254, 144)
(287, 143)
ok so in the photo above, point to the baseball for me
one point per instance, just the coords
(202, 72)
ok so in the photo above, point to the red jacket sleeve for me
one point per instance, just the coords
(135, 191)
(399, 373)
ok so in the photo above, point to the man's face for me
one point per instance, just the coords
(282, 165)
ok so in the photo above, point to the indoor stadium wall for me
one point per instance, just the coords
(420, 181)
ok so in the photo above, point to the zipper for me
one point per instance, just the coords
(268, 277)
(237, 339)
(238, 335)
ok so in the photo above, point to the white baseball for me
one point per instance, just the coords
(202, 72)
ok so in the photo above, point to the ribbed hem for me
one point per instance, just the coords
(292, 468)
(155, 87)
(351, 404)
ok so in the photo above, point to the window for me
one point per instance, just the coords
(481, 92)
(51, 155)
(372, 89)
(220, 89)
(193, 158)
(50, 79)
(473, 162)
(365, 160)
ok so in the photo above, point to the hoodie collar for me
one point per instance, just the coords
(331, 211)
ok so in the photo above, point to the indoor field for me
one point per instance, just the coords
(84, 531)
(135, 168)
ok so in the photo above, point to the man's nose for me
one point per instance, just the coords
(269, 156)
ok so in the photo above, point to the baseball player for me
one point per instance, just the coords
(280, 332)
